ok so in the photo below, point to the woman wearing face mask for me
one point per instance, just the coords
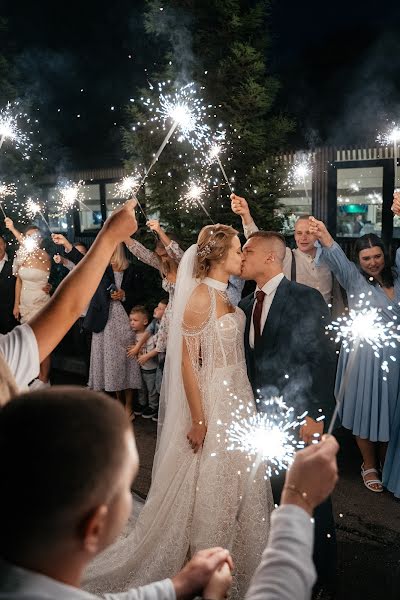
(370, 394)
(31, 268)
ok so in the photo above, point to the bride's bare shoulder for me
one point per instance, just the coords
(197, 309)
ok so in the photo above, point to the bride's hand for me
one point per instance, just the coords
(196, 436)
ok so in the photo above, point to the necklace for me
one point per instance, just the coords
(220, 288)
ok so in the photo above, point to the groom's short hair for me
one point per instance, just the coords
(61, 454)
(272, 236)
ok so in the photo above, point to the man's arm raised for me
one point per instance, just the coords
(77, 289)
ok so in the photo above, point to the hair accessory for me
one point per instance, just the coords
(207, 249)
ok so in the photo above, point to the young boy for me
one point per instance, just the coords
(147, 357)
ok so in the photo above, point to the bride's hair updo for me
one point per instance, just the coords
(213, 245)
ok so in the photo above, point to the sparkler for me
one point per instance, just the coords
(186, 112)
(33, 208)
(6, 189)
(192, 197)
(127, 187)
(70, 193)
(265, 436)
(300, 170)
(268, 435)
(391, 137)
(9, 129)
(29, 245)
(364, 326)
(215, 151)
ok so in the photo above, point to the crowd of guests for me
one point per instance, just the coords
(84, 507)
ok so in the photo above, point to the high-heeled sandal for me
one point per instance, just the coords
(370, 482)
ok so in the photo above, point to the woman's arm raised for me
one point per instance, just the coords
(75, 292)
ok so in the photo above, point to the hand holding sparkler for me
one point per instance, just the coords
(240, 207)
(319, 230)
(154, 225)
(61, 240)
(9, 223)
(396, 203)
(312, 476)
(122, 223)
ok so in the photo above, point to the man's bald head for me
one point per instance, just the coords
(272, 241)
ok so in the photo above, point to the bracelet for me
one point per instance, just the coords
(198, 423)
(303, 495)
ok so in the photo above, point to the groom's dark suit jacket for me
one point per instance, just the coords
(7, 295)
(294, 358)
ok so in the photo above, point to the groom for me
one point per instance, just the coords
(289, 355)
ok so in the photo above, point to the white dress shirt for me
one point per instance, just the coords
(3, 262)
(286, 570)
(269, 289)
(21, 353)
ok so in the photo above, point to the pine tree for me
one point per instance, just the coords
(222, 45)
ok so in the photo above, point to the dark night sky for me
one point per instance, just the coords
(338, 62)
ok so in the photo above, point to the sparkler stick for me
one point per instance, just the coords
(2, 209)
(342, 389)
(153, 162)
(214, 154)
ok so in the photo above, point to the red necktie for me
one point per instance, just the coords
(260, 295)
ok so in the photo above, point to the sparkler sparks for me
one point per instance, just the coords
(391, 136)
(193, 197)
(32, 208)
(70, 193)
(6, 189)
(214, 155)
(300, 170)
(187, 112)
(267, 435)
(365, 325)
(388, 138)
(10, 116)
(127, 187)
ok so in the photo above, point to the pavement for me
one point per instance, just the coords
(368, 524)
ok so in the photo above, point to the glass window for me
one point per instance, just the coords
(298, 202)
(359, 201)
(90, 209)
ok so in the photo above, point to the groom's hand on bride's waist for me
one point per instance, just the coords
(205, 568)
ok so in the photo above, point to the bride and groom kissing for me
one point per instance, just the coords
(219, 359)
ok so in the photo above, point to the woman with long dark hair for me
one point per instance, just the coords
(371, 394)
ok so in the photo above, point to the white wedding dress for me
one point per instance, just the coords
(193, 499)
(33, 298)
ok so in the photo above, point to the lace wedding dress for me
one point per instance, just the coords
(193, 499)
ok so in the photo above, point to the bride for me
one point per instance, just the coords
(197, 483)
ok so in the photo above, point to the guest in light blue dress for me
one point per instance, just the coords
(371, 394)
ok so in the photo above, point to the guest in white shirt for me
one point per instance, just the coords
(75, 452)
(299, 264)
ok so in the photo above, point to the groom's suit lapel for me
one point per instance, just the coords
(275, 315)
